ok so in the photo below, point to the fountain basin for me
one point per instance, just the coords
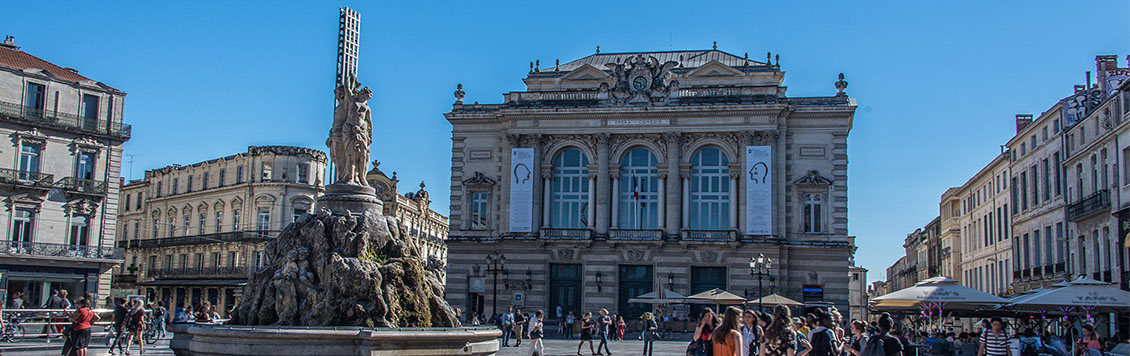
(217, 340)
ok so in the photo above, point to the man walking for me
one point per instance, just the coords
(120, 312)
(507, 325)
(519, 320)
(603, 325)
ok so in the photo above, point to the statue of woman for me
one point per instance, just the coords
(351, 133)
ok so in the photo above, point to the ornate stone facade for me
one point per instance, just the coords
(641, 159)
(424, 227)
(196, 232)
(59, 178)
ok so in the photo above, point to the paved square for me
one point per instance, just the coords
(557, 347)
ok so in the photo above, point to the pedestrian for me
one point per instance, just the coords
(161, 315)
(519, 323)
(135, 325)
(507, 325)
(81, 320)
(700, 343)
(569, 321)
(883, 342)
(1089, 344)
(117, 328)
(587, 326)
(727, 337)
(650, 333)
(838, 330)
(537, 323)
(750, 332)
(801, 327)
(823, 338)
(17, 301)
(603, 324)
(1030, 343)
(995, 342)
(620, 327)
(780, 339)
(856, 342)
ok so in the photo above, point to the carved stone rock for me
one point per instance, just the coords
(345, 270)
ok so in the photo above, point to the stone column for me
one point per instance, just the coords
(661, 214)
(509, 141)
(615, 201)
(536, 142)
(602, 198)
(592, 201)
(547, 194)
(686, 200)
(671, 191)
(734, 174)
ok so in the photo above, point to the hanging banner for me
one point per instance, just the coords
(759, 190)
(521, 190)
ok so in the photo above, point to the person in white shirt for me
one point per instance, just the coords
(536, 332)
(507, 325)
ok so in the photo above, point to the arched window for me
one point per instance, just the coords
(570, 190)
(813, 204)
(639, 190)
(710, 190)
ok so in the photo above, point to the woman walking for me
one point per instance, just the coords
(727, 338)
(81, 320)
(536, 333)
(650, 330)
(780, 339)
(856, 342)
(587, 326)
(751, 332)
(135, 324)
(700, 343)
(620, 327)
(1090, 343)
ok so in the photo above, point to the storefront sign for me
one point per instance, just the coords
(759, 190)
(521, 190)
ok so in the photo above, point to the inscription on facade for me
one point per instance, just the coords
(639, 122)
(812, 151)
(480, 154)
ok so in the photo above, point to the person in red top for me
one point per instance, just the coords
(81, 319)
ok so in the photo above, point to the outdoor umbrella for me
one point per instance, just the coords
(1081, 295)
(653, 298)
(775, 300)
(937, 293)
(716, 296)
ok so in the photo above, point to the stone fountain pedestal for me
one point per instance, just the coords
(349, 199)
(209, 340)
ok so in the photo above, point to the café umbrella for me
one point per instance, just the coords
(937, 293)
(716, 296)
(1082, 295)
(775, 300)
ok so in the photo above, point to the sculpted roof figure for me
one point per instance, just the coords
(351, 133)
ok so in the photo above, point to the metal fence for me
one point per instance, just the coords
(65, 120)
(44, 249)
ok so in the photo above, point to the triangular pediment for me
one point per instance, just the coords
(714, 69)
(586, 72)
(813, 178)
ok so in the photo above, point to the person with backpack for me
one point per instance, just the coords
(161, 315)
(994, 342)
(823, 337)
(881, 342)
(1030, 343)
(779, 339)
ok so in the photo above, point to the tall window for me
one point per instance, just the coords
(257, 258)
(156, 226)
(304, 173)
(1027, 256)
(219, 220)
(200, 261)
(80, 230)
(639, 190)
(217, 259)
(233, 258)
(202, 221)
(23, 223)
(188, 185)
(1059, 242)
(127, 201)
(812, 213)
(235, 219)
(1023, 191)
(1036, 248)
(1057, 167)
(204, 181)
(569, 209)
(480, 210)
(263, 223)
(1047, 180)
(159, 189)
(266, 172)
(168, 262)
(84, 167)
(184, 261)
(238, 174)
(220, 183)
(137, 230)
(175, 184)
(298, 212)
(710, 190)
(29, 157)
(36, 98)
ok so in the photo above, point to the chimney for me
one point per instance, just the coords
(1022, 121)
(1106, 62)
(9, 42)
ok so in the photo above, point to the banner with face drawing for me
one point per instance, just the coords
(521, 190)
(759, 190)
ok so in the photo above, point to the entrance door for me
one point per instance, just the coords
(634, 281)
(565, 288)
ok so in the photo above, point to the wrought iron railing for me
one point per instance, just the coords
(32, 179)
(65, 120)
(576, 234)
(199, 272)
(709, 235)
(223, 237)
(43, 249)
(125, 278)
(85, 186)
(1089, 205)
(624, 234)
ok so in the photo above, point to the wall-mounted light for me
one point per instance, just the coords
(529, 279)
(670, 281)
(598, 284)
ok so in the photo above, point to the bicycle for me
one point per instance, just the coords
(13, 330)
(153, 332)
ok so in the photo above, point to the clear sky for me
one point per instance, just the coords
(937, 82)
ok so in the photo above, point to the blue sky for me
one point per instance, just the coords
(937, 82)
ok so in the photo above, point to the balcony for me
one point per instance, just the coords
(566, 234)
(65, 121)
(26, 179)
(635, 235)
(43, 249)
(1089, 206)
(125, 278)
(199, 272)
(82, 186)
(223, 237)
(709, 235)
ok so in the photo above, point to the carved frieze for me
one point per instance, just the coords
(640, 80)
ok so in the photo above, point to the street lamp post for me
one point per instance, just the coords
(759, 266)
(496, 263)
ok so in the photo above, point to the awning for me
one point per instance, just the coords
(193, 283)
